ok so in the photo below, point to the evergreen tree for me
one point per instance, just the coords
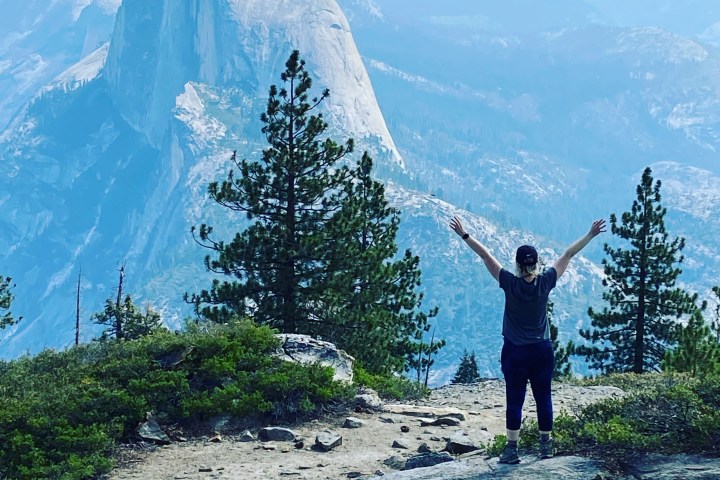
(467, 372)
(126, 321)
(697, 352)
(634, 330)
(316, 257)
(374, 310)
(6, 298)
(562, 354)
(278, 265)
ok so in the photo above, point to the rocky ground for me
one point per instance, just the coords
(379, 446)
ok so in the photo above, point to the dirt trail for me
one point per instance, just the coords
(363, 451)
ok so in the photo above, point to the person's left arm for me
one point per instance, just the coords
(561, 263)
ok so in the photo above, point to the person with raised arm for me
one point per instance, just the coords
(527, 352)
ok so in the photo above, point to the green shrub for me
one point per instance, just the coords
(63, 412)
(662, 413)
(390, 387)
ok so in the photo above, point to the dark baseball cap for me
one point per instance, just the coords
(526, 255)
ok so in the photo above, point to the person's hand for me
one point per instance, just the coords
(597, 228)
(456, 225)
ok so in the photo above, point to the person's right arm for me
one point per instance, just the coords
(491, 263)
(561, 263)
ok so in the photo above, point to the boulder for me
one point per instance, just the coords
(308, 350)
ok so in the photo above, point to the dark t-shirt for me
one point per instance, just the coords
(525, 317)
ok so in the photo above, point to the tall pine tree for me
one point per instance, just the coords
(278, 265)
(374, 310)
(644, 304)
(317, 256)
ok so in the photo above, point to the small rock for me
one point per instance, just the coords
(150, 430)
(424, 448)
(386, 419)
(217, 438)
(277, 434)
(405, 429)
(368, 402)
(448, 421)
(247, 436)
(400, 443)
(205, 469)
(269, 447)
(353, 422)
(327, 440)
(354, 474)
(300, 445)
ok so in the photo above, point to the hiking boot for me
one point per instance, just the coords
(510, 455)
(546, 449)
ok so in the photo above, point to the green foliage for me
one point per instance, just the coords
(6, 298)
(126, 321)
(661, 413)
(319, 255)
(634, 330)
(374, 312)
(393, 387)
(697, 352)
(467, 372)
(666, 414)
(63, 412)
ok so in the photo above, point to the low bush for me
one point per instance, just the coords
(63, 412)
(390, 387)
(661, 413)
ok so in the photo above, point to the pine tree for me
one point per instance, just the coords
(634, 330)
(467, 372)
(6, 298)
(562, 354)
(697, 352)
(376, 310)
(278, 265)
(126, 321)
(317, 256)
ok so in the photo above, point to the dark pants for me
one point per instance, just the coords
(520, 363)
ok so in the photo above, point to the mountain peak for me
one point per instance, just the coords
(158, 47)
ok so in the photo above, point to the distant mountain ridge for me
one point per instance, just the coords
(540, 132)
